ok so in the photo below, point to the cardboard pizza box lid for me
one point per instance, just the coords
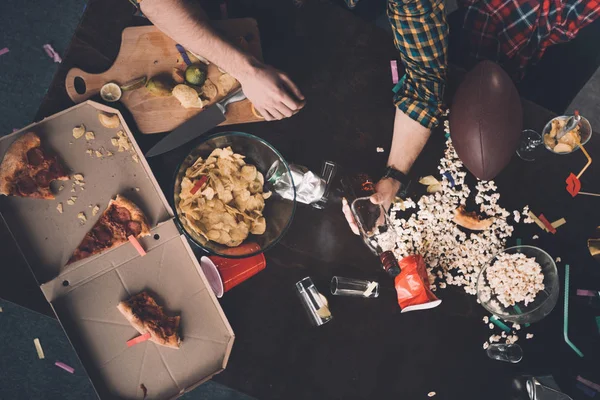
(84, 295)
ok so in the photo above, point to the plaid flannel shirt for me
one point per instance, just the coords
(421, 36)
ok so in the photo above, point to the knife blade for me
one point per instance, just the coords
(197, 125)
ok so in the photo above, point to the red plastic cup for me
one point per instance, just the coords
(234, 271)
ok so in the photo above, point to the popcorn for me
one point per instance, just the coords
(511, 339)
(535, 237)
(486, 345)
(515, 278)
(491, 326)
(516, 327)
(558, 259)
(380, 150)
(486, 319)
(529, 336)
(494, 338)
(516, 216)
(431, 232)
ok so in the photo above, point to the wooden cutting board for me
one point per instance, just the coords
(146, 51)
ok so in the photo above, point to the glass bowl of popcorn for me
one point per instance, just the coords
(520, 285)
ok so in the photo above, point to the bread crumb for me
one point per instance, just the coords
(78, 177)
(98, 154)
(115, 141)
(61, 187)
(95, 210)
(90, 136)
(89, 151)
(59, 207)
(71, 201)
(73, 189)
(109, 153)
(135, 158)
(82, 217)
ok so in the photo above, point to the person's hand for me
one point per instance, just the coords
(272, 93)
(385, 193)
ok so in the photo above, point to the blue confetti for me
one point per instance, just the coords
(448, 176)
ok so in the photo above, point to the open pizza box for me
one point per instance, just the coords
(85, 294)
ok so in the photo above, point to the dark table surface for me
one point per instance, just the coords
(370, 350)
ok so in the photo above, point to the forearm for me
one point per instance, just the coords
(188, 25)
(407, 143)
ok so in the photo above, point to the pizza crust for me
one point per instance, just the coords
(14, 161)
(172, 341)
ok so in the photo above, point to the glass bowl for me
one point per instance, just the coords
(520, 313)
(278, 212)
(585, 129)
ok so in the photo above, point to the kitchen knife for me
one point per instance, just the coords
(197, 125)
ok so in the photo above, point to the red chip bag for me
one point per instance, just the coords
(412, 285)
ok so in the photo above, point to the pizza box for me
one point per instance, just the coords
(84, 295)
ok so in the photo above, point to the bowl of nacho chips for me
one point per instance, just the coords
(222, 200)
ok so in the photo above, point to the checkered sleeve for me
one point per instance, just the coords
(421, 36)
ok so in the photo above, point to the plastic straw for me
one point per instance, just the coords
(499, 324)
(566, 315)
(65, 367)
(38, 348)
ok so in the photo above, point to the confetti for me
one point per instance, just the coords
(138, 339)
(589, 392)
(586, 293)
(52, 53)
(558, 223)
(589, 384)
(65, 367)
(370, 288)
(38, 348)
(537, 221)
(394, 68)
(137, 245)
(4, 51)
(547, 224)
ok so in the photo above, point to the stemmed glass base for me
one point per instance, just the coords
(529, 145)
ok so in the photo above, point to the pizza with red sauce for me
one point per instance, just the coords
(27, 169)
(146, 316)
(121, 219)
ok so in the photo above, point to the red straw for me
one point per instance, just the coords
(137, 245)
(138, 339)
(547, 223)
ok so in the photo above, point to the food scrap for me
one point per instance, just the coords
(110, 121)
(71, 201)
(59, 207)
(79, 131)
(81, 216)
(98, 154)
(95, 209)
(90, 135)
(187, 96)
(230, 205)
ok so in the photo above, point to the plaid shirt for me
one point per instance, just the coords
(513, 33)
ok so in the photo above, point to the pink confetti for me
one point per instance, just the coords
(394, 67)
(4, 51)
(586, 293)
(52, 53)
(65, 367)
(590, 384)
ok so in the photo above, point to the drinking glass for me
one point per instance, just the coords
(341, 286)
(511, 353)
(529, 145)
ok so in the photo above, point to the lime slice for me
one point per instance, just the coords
(110, 92)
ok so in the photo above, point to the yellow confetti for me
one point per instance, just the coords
(38, 348)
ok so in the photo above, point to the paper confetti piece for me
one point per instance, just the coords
(589, 392)
(547, 224)
(519, 241)
(573, 184)
(589, 384)
(184, 55)
(65, 367)
(4, 51)
(38, 348)
(394, 68)
(537, 221)
(558, 223)
(586, 293)
(448, 176)
(499, 324)
(52, 53)
(138, 339)
(137, 245)
(396, 88)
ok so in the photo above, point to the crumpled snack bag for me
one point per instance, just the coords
(412, 285)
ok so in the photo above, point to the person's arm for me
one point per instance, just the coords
(421, 36)
(271, 92)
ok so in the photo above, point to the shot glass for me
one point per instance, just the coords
(511, 353)
(341, 286)
(314, 303)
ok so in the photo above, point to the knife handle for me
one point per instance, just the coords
(232, 98)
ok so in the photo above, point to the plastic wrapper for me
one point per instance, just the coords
(412, 285)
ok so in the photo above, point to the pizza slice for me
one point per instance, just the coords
(121, 219)
(27, 169)
(146, 316)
